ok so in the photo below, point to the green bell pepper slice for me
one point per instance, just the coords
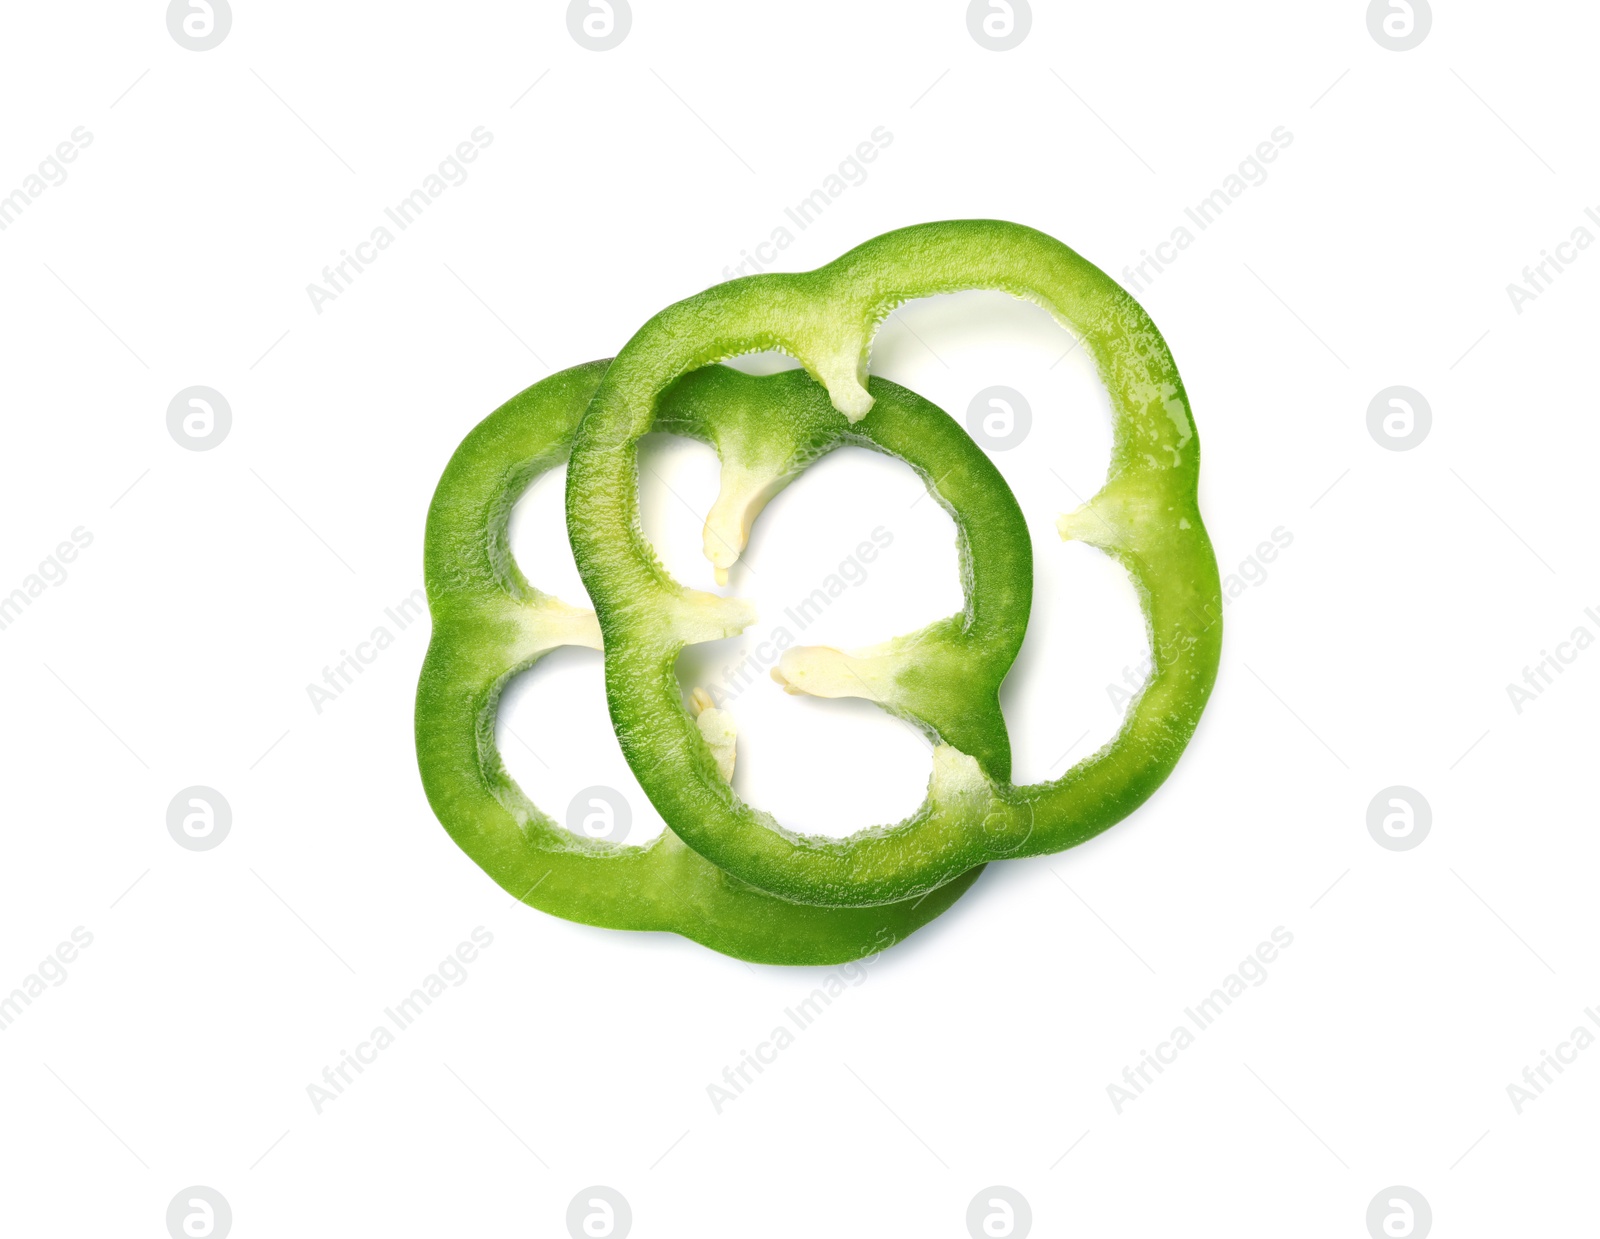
(489, 624)
(1146, 517)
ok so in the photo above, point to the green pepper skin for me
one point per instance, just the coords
(1146, 516)
(489, 624)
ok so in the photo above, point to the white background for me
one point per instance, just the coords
(1375, 652)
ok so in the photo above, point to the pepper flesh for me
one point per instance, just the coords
(489, 624)
(1146, 516)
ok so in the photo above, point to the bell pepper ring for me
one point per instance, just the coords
(1146, 517)
(489, 624)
